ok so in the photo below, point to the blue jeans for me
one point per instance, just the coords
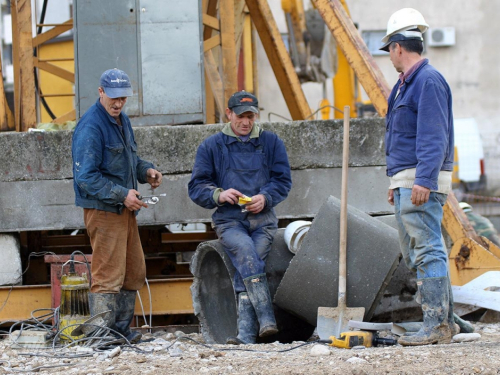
(420, 233)
(247, 243)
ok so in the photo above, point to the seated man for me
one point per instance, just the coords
(244, 160)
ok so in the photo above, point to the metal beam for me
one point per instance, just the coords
(356, 52)
(19, 301)
(279, 59)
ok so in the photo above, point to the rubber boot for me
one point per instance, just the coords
(125, 303)
(435, 306)
(248, 326)
(258, 292)
(454, 328)
(99, 303)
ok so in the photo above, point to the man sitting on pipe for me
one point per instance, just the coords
(244, 161)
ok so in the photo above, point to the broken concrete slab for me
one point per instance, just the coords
(10, 267)
(214, 299)
(311, 280)
(49, 204)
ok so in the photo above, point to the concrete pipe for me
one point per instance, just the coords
(214, 299)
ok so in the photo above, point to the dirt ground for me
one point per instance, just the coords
(165, 354)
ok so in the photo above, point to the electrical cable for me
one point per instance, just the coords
(319, 109)
(275, 114)
(150, 306)
(243, 349)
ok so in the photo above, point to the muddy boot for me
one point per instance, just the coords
(258, 292)
(99, 303)
(125, 303)
(248, 326)
(454, 328)
(435, 304)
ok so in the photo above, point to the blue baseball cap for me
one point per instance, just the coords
(116, 83)
(243, 101)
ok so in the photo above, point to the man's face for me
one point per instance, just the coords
(395, 55)
(112, 106)
(241, 124)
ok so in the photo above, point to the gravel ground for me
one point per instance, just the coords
(166, 354)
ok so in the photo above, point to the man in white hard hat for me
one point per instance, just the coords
(419, 153)
(482, 225)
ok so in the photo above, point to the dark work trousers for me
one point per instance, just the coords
(247, 243)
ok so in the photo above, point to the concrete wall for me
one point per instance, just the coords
(37, 185)
(471, 66)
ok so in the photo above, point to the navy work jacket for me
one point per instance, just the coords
(105, 161)
(419, 126)
(258, 166)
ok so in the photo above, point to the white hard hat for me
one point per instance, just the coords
(408, 23)
(466, 207)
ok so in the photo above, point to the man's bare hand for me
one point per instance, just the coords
(419, 195)
(257, 204)
(153, 177)
(132, 202)
(390, 197)
(230, 196)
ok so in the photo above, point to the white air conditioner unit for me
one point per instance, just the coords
(440, 36)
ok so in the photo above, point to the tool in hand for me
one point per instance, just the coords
(242, 202)
(332, 321)
(350, 339)
(151, 199)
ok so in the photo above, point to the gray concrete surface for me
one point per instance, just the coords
(311, 280)
(37, 186)
(214, 300)
(10, 266)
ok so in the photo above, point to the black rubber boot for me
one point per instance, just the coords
(454, 328)
(125, 303)
(258, 292)
(101, 302)
(248, 325)
(435, 307)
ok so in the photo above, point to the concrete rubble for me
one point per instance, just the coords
(166, 353)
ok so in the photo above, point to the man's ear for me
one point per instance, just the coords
(228, 113)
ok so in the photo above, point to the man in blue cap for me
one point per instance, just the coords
(244, 160)
(106, 169)
(419, 154)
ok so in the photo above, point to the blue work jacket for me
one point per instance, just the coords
(419, 126)
(105, 161)
(258, 166)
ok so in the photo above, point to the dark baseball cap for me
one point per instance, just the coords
(116, 83)
(243, 101)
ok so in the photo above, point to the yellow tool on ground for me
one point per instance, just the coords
(74, 308)
(348, 340)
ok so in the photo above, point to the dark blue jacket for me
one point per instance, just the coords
(259, 166)
(419, 132)
(105, 161)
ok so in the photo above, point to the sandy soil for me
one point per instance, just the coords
(167, 355)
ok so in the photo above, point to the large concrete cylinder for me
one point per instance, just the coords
(214, 299)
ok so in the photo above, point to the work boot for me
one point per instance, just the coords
(125, 303)
(99, 303)
(435, 306)
(248, 326)
(258, 292)
(454, 328)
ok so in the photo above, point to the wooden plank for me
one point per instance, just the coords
(279, 59)
(187, 237)
(211, 43)
(210, 9)
(229, 66)
(209, 102)
(211, 22)
(19, 301)
(55, 70)
(6, 116)
(356, 52)
(69, 116)
(52, 33)
(215, 81)
(240, 11)
(24, 80)
(248, 54)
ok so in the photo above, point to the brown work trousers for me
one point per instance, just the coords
(117, 256)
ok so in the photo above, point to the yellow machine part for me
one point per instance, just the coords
(74, 308)
(347, 340)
